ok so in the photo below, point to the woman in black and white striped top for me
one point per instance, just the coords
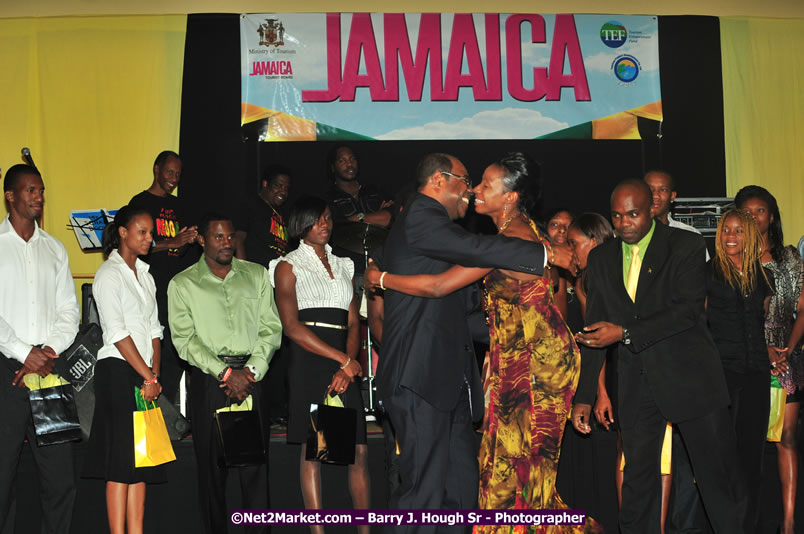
(320, 317)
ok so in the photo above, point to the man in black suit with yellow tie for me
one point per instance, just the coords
(646, 293)
(428, 379)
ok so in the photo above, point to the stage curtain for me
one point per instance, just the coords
(763, 90)
(95, 99)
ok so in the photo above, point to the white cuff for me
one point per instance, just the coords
(20, 351)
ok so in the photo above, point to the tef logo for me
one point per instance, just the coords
(613, 34)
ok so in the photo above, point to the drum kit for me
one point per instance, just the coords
(361, 238)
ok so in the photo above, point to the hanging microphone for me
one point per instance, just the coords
(26, 154)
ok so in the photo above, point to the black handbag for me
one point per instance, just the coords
(332, 434)
(55, 417)
(240, 439)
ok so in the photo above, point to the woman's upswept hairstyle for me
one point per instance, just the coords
(523, 176)
(110, 239)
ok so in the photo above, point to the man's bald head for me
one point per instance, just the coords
(632, 210)
(634, 185)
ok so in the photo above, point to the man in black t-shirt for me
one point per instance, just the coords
(166, 258)
(261, 232)
(350, 201)
(261, 237)
(347, 198)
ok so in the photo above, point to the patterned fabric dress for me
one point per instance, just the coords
(788, 276)
(533, 374)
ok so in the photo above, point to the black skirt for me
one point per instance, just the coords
(110, 452)
(309, 375)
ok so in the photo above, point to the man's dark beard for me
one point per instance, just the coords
(224, 262)
(345, 179)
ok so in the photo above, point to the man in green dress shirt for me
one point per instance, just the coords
(225, 324)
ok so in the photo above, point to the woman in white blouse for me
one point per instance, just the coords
(320, 317)
(125, 293)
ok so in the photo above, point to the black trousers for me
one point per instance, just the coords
(438, 458)
(711, 444)
(750, 410)
(686, 513)
(214, 513)
(392, 476)
(54, 462)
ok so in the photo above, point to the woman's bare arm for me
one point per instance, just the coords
(425, 285)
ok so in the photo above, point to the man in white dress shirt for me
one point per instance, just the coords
(38, 320)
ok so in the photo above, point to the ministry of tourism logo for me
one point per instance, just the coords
(626, 68)
(613, 34)
(272, 33)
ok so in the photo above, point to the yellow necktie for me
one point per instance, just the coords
(633, 273)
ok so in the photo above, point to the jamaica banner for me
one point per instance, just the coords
(393, 76)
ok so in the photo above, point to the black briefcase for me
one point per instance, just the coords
(240, 440)
(332, 434)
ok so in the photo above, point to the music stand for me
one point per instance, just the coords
(88, 227)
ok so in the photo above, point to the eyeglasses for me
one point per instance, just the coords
(465, 179)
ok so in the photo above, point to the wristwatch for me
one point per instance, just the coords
(626, 336)
(361, 216)
(222, 374)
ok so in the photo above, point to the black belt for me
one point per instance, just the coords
(235, 361)
(12, 364)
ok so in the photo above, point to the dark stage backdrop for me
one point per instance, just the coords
(223, 163)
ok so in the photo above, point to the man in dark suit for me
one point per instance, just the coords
(428, 379)
(646, 292)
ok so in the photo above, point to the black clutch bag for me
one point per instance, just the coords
(240, 440)
(55, 417)
(332, 434)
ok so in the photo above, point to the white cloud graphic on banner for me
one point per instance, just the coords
(508, 123)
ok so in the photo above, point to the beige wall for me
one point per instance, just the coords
(56, 8)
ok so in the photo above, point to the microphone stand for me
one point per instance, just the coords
(369, 356)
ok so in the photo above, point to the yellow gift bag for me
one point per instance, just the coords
(778, 398)
(151, 440)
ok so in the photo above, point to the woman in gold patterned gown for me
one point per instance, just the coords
(534, 363)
